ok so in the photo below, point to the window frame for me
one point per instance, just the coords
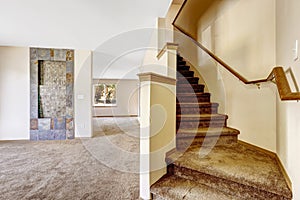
(105, 104)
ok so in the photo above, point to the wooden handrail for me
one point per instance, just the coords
(276, 74)
(283, 86)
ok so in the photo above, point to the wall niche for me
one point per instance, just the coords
(51, 94)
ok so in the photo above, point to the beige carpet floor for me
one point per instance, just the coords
(103, 167)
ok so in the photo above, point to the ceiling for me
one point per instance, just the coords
(77, 24)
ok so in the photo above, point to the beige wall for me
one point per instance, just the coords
(157, 131)
(127, 99)
(82, 93)
(245, 41)
(172, 12)
(14, 93)
(189, 16)
(288, 113)
(162, 127)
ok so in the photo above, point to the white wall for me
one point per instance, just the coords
(245, 41)
(14, 93)
(288, 113)
(127, 98)
(82, 93)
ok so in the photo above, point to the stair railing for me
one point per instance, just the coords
(277, 74)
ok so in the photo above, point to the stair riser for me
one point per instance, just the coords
(225, 185)
(185, 74)
(183, 67)
(186, 86)
(179, 58)
(193, 99)
(189, 90)
(188, 81)
(184, 71)
(201, 110)
(200, 124)
(181, 62)
(183, 144)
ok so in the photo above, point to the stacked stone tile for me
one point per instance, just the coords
(51, 94)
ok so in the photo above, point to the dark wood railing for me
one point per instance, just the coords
(277, 74)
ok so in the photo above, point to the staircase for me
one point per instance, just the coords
(198, 122)
(209, 163)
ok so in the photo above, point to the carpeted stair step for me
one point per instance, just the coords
(176, 188)
(237, 169)
(181, 62)
(179, 58)
(189, 138)
(193, 97)
(190, 88)
(183, 67)
(201, 121)
(197, 108)
(190, 80)
(185, 73)
(208, 162)
(183, 70)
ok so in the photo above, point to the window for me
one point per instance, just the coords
(104, 94)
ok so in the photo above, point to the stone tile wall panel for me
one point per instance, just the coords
(55, 91)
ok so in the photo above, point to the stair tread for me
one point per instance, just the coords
(176, 188)
(238, 163)
(195, 94)
(196, 97)
(181, 73)
(182, 65)
(222, 131)
(189, 84)
(202, 116)
(187, 77)
(185, 71)
(200, 104)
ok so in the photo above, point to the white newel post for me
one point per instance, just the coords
(157, 120)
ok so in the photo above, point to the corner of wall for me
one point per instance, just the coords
(83, 93)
